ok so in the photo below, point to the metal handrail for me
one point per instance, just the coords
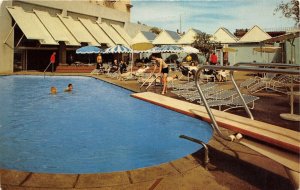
(46, 69)
(231, 69)
(278, 65)
(206, 158)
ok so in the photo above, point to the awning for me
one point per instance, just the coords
(56, 28)
(282, 38)
(228, 49)
(78, 30)
(122, 33)
(97, 32)
(113, 34)
(142, 46)
(31, 26)
(266, 49)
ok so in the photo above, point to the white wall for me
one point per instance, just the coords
(245, 53)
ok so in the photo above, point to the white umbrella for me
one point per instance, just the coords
(190, 49)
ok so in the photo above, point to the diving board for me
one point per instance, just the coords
(272, 134)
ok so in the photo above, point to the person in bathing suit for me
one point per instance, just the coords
(163, 69)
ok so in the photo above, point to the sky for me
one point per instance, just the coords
(209, 15)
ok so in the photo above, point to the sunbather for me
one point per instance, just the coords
(137, 73)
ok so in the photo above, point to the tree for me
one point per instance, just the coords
(204, 43)
(289, 10)
(155, 30)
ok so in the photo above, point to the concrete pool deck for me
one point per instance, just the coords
(233, 166)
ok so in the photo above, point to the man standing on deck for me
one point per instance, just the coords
(52, 61)
(213, 59)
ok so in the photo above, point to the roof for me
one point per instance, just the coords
(256, 34)
(173, 34)
(189, 36)
(284, 37)
(143, 37)
(223, 35)
(166, 37)
(149, 35)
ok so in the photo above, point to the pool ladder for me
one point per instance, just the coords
(46, 69)
(206, 158)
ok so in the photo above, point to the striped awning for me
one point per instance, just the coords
(167, 49)
(118, 49)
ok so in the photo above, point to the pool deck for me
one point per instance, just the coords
(232, 165)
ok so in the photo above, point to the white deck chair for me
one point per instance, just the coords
(237, 102)
(262, 83)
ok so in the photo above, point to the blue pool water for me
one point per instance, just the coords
(96, 128)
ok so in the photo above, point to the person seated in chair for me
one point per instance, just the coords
(114, 66)
(186, 72)
(123, 67)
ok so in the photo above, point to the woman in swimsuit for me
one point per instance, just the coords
(164, 70)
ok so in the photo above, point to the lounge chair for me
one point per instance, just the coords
(186, 73)
(237, 102)
(98, 71)
(233, 102)
(223, 74)
(262, 83)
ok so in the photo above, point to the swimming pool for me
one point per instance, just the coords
(96, 128)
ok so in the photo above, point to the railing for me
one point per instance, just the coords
(206, 158)
(46, 69)
(252, 67)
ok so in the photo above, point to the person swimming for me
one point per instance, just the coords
(53, 90)
(69, 88)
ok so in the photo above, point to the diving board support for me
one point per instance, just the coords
(255, 67)
(289, 160)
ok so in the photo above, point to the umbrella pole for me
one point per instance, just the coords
(131, 64)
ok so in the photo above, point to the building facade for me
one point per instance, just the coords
(31, 30)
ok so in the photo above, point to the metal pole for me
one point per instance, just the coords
(206, 158)
(9, 33)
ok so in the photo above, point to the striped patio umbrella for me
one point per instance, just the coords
(88, 50)
(118, 49)
(168, 49)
